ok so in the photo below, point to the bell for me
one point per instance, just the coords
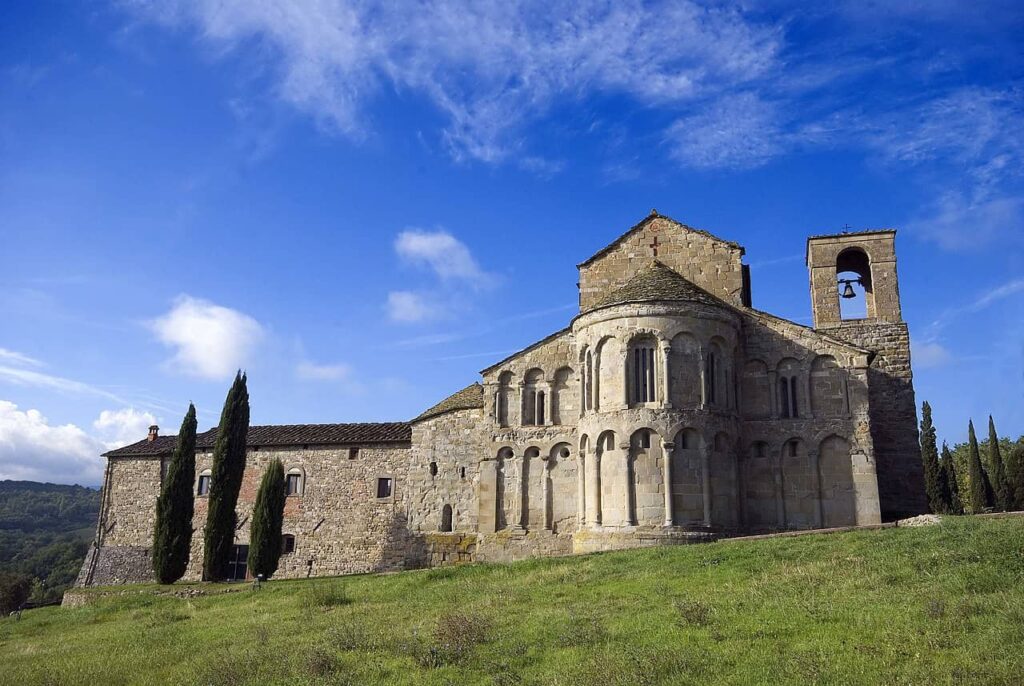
(848, 291)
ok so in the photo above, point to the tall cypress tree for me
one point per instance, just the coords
(226, 481)
(933, 476)
(996, 469)
(950, 483)
(267, 520)
(980, 488)
(1015, 476)
(172, 535)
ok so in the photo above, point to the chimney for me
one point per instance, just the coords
(154, 431)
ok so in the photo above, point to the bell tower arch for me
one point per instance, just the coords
(850, 264)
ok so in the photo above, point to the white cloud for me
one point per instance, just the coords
(490, 67)
(931, 354)
(322, 372)
(27, 377)
(33, 449)
(124, 426)
(211, 341)
(17, 358)
(736, 132)
(407, 306)
(957, 223)
(446, 255)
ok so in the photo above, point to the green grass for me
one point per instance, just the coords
(933, 605)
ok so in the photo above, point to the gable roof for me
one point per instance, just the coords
(546, 339)
(282, 435)
(469, 398)
(658, 281)
(644, 222)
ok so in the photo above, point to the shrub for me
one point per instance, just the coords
(14, 591)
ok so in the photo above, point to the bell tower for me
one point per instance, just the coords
(869, 260)
(843, 266)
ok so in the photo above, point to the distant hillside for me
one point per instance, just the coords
(45, 531)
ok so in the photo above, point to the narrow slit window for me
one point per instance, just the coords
(784, 397)
(793, 412)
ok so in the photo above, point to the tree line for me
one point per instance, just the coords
(172, 535)
(960, 480)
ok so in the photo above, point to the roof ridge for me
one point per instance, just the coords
(654, 214)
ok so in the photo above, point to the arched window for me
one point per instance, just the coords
(533, 398)
(588, 384)
(853, 280)
(788, 372)
(287, 544)
(642, 376)
(643, 438)
(203, 489)
(462, 472)
(293, 482)
(563, 400)
(446, 518)
(501, 399)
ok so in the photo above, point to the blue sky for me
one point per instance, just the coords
(363, 205)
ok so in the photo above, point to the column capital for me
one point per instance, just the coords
(668, 445)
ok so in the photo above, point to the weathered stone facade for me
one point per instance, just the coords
(669, 411)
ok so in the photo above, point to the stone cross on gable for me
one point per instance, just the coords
(654, 246)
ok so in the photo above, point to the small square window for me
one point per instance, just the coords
(353, 453)
(384, 487)
(204, 485)
(287, 544)
(293, 484)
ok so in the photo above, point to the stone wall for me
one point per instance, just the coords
(893, 415)
(444, 469)
(711, 263)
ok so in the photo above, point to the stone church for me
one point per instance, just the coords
(667, 411)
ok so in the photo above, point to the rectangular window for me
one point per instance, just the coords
(353, 453)
(793, 412)
(204, 485)
(384, 487)
(293, 484)
(784, 398)
(287, 544)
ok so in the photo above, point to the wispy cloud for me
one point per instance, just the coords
(210, 341)
(410, 307)
(981, 302)
(489, 67)
(12, 357)
(27, 377)
(443, 253)
(309, 371)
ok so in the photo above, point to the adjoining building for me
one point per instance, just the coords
(667, 411)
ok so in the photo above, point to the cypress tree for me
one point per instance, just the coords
(267, 520)
(950, 483)
(977, 481)
(930, 459)
(226, 481)
(172, 535)
(997, 470)
(1015, 476)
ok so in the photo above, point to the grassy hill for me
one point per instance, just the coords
(45, 531)
(933, 605)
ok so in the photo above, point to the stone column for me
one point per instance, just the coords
(666, 383)
(581, 488)
(517, 519)
(807, 396)
(628, 516)
(819, 512)
(780, 499)
(705, 481)
(548, 402)
(621, 359)
(703, 368)
(594, 488)
(666, 475)
(544, 492)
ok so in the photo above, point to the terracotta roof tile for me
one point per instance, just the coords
(658, 282)
(283, 435)
(469, 398)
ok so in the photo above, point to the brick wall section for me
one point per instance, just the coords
(711, 263)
